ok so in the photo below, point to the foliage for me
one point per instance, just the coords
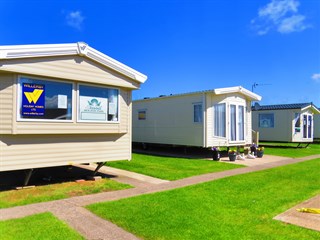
(232, 151)
(238, 207)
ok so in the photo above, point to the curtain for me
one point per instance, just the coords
(309, 126)
(220, 120)
(233, 129)
(304, 126)
(241, 122)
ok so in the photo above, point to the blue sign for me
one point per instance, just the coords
(33, 100)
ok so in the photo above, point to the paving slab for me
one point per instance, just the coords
(302, 219)
(90, 225)
(125, 174)
(256, 161)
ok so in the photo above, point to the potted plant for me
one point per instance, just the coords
(215, 153)
(253, 149)
(232, 154)
(260, 151)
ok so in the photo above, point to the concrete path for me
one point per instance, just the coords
(256, 161)
(92, 227)
(307, 220)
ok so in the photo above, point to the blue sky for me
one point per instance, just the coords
(190, 45)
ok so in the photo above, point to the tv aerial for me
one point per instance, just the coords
(254, 85)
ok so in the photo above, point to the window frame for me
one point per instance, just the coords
(95, 121)
(145, 114)
(273, 122)
(236, 122)
(19, 100)
(308, 127)
(225, 118)
(297, 123)
(200, 113)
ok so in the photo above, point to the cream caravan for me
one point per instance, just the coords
(285, 122)
(63, 104)
(218, 117)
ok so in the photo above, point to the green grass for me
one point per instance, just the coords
(238, 207)
(40, 226)
(51, 192)
(290, 150)
(170, 168)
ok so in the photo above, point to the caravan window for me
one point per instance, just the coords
(44, 100)
(266, 120)
(297, 124)
(241, 122)
(197, 113)
(219, 112)
(97, 104)
(142, 114)
(307, 126)
(236, 123)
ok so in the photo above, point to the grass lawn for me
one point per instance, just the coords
(57, 191)
(290, 150)
(238, 207)
(170, 168)
(39, 226)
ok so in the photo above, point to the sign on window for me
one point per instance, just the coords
(93, 108)
(33, 99)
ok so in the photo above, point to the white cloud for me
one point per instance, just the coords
(75, 19)
(281, 16)
(278, 9)
(316, 77)
(292, 24)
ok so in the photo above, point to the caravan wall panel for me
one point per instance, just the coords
(6, 103)
(169, 120)
(34, 151)
(68, 67)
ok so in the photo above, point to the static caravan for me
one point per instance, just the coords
(218, 117)
(63, 104)
(284, 122)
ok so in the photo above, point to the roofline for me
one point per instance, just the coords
(238, 89)
(79, 48)
(315, 109)
(307, 105)
(217, 91)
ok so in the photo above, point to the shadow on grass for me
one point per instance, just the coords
(45, 176)
(176, 151)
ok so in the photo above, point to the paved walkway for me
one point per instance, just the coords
(307, 220)
(93, 227)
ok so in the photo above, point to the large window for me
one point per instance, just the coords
(241, 122)
(197, 113)
(266, 120)
(236, 122)
(307, 126)
(44, 100)
(233, 124)
(49, 100)
(97, 104)
(219, 117)
(297, 123)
